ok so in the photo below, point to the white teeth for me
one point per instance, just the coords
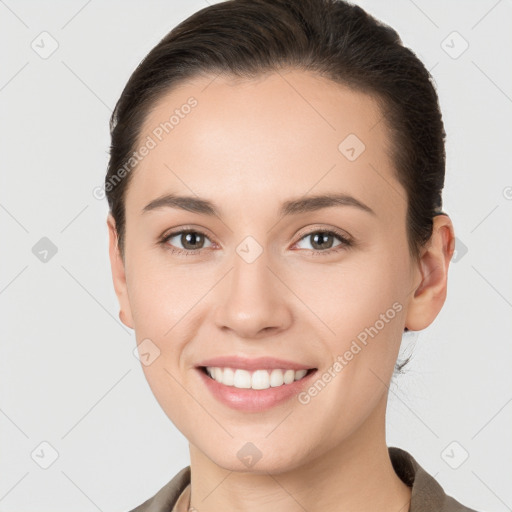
(289, 376)
(242, 378)
(259, 379)
(228, 377)
(276, 378)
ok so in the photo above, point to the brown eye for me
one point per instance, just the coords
(190, 240)
(325, 241)
(322, 240)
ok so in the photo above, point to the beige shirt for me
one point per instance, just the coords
(426, 494)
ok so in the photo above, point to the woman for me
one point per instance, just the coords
(275, 226)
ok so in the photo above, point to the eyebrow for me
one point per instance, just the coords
(290, 207)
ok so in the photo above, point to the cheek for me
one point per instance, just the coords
(162, 294)
(165, 302)
(355, 295)
(365, 311)
(168, 304)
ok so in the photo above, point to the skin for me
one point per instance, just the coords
(248, 146)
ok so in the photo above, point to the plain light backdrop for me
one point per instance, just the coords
(69, 378)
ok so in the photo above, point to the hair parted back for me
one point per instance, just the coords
(332, 38)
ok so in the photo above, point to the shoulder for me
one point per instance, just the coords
(165, 499)
(426, 494)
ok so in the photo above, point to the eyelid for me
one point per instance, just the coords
(179, 229)
(326, 229)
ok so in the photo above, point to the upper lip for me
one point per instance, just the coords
(258, 363)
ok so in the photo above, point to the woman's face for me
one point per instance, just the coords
(261, 278)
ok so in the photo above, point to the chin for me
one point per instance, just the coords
(254, 458)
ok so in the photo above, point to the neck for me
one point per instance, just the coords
(357, 474)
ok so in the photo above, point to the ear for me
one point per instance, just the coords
(118, 274)
(430, 293)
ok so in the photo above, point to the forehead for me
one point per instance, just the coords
(274, 136)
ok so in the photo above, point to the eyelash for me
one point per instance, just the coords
(345, 241)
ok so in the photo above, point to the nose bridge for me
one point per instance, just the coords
(252, 300)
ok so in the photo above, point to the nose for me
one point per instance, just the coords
(253, 302)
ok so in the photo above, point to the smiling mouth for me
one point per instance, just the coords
(257, 379)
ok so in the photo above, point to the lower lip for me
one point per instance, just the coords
(254, 400)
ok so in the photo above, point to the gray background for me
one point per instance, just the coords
(68, 373)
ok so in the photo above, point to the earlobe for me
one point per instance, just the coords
(118, 274)
(429, 295)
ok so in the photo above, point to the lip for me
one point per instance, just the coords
(251, 364)
(254, 400)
